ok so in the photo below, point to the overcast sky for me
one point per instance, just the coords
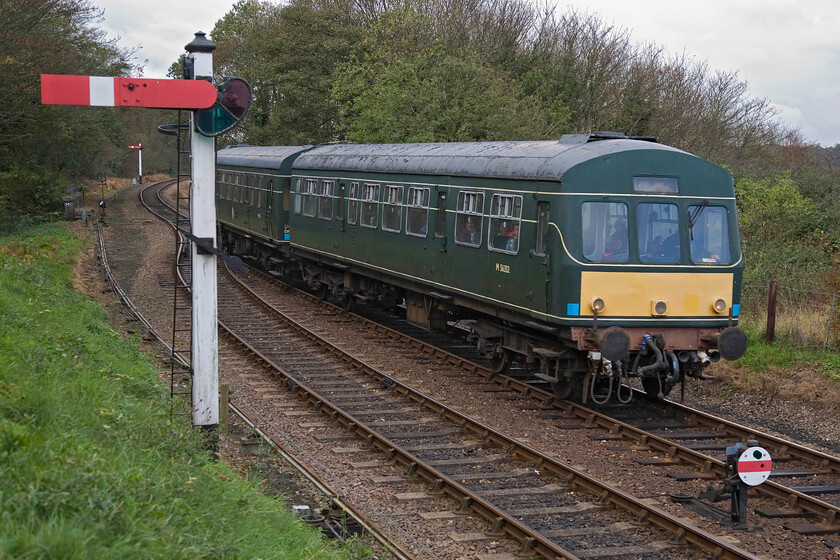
(788, 51)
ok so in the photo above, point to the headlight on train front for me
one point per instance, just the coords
(597, 305)
(659, 307)
(719, 305)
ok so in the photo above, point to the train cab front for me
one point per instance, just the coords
(659, 327)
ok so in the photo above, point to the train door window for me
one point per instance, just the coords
(417, 215)
(708, 228)
(325, 208)
(505, 217)
(270, 201)
(541, 245)
(658, 226)
(604, 231)
(298, 196)
(370, 205)
(353, 203)
(468, 221)
(392, 208)
(310, 197)
(440, 227)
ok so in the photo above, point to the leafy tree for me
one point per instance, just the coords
(287, 53)
(44, 148)
(437, 98)
(785, 235)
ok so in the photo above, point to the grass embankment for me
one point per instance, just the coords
(91, 466)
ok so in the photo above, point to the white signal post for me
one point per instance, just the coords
(205, 353)
(139, 148)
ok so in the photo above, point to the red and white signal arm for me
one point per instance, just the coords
(102, 91)
(754, 466)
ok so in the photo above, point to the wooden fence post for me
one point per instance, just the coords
(771, 313)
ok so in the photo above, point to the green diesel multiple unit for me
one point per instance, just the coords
(592, 259)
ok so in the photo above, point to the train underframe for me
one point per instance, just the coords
(588, 363)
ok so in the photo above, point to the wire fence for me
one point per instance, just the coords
(803, 318)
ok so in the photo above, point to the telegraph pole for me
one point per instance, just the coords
(205, 354)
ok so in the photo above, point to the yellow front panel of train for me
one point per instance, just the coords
(631, 294)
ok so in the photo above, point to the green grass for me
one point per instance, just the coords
(91, 465)
(761, 356)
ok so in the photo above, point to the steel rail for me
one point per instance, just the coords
(572, 477)
(709, 466)
(267, 436)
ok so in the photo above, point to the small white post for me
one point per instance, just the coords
(140, 162)
(205, 353)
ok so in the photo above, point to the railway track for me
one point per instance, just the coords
(679, 437)
(486, 472)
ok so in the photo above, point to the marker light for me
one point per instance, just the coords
(719, 306)
(659, 307)
(597, 305)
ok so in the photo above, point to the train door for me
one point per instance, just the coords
(542, 280)
(270, 209)
(439, 241)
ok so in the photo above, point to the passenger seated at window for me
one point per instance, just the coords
(468, 233)
(513, 240)
(500, 239)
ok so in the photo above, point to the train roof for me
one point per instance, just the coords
(530, 160)
(267, 157)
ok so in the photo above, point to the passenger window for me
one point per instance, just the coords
(310, 198)
(468, 220)
(659, 233)
(709, 233)
(392, 208)
(353, 203)
(604, 229)
(370, 205)
(417, 219)
(505, 218)
(325, 208)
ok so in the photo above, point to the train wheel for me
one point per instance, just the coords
(322, 292)
(500, 361)
(348, 303)
(566, 388)
(651, 387)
